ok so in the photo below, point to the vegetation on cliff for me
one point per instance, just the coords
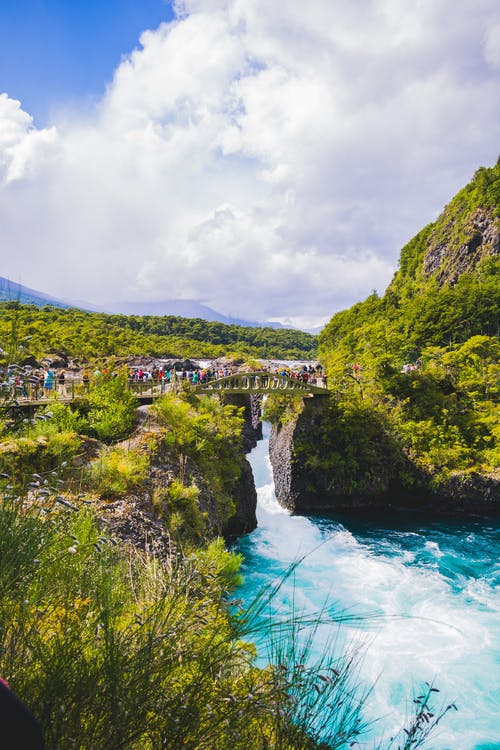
(90, 443)
(424, 358)
(112, 647)
(87, 335)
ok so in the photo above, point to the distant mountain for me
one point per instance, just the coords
(10, 290)
(184, 308)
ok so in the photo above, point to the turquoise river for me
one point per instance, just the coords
(429, 590)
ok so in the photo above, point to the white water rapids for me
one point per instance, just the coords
(429, 590)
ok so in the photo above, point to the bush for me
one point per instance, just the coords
(177, 506)
(117, 471)
(64, 419)
(20, 457)
(110, 409)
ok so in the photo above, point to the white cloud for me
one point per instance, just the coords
(22, 147)
(267, 160)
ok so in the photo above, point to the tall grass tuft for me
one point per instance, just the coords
(112, 649)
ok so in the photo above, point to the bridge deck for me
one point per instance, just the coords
(262, 382)
(243, 383)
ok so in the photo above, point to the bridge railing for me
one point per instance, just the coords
(261, 382)
(75, 388)
(72, 390)
(30, 391)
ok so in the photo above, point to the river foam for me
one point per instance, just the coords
(428, 592)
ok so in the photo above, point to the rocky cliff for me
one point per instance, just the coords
(244, 519)
(318, 466)
(415, 373)
(450, 256)
(141, 518)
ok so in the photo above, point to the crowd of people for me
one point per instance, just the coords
(33, 384)
(312, 374)
(26, 383)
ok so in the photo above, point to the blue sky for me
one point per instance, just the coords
(268, 159)
(60, 53)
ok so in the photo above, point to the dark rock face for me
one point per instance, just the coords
(245, 499)
(133, 520)
(470, 493)
(303, 489)
(481, 238)
(288, 483)
(304, 473)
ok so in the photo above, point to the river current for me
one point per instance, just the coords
(427, 594)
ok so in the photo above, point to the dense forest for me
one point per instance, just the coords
(85, 335)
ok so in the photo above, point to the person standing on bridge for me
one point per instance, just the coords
(86, 380)
(48, 382)
(34, 385)
(61, 383)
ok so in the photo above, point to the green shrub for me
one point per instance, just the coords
(20, 457)
(177, 505)
(117, 471)
(64, 418)
(110, 408)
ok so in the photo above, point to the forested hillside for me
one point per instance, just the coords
(446, 289)
(424, 356)
(77, 333)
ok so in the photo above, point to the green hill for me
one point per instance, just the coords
(424, 356)
(446, 289)
(86, 335)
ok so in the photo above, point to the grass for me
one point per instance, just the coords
(117, 471)
(112, 649)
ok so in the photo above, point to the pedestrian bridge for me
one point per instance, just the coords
(261, 382)
(146, 391)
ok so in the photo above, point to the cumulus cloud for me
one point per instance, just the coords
(22, 147)
(265, 160)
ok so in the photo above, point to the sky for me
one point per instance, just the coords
(268, 159)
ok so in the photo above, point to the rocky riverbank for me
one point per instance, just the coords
(319, 467)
